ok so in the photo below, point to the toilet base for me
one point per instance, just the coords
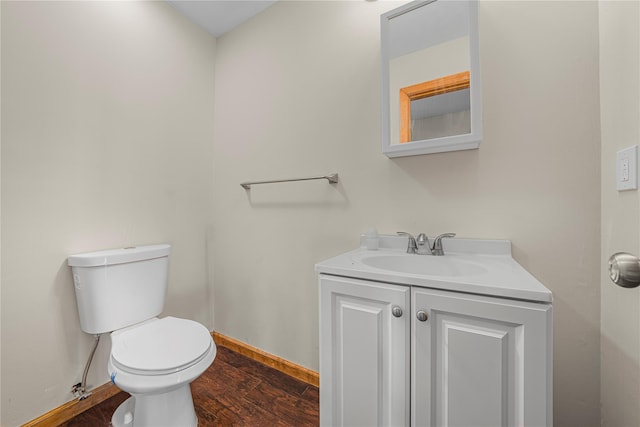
(174, 408)
(123, 416)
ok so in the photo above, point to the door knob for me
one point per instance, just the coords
(422, 315)
(396, 311)
(624, 269)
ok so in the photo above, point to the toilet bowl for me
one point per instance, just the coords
(155, 361)
(159, 353)
(122, 291)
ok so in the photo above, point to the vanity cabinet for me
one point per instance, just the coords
(364, 362)
(479, 360)
(398, 355)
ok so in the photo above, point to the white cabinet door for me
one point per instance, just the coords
(480, 361)
(364, 357)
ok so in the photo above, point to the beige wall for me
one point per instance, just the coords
(298, 93)
(107, 126)
(620, 121)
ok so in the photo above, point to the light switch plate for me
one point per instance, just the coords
(627, 169)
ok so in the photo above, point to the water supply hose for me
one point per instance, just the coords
(80, 390)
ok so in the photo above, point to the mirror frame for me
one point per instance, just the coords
(443, 144)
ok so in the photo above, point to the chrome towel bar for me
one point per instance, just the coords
(332, 178)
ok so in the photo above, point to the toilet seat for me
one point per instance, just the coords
(160, 346)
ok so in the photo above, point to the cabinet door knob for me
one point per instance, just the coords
(422, 316)
(396, 311)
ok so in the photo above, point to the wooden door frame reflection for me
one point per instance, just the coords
(439, 86)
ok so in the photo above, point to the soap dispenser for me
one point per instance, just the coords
(371, 239)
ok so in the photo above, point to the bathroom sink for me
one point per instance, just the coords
(426, 265)
(477, 266)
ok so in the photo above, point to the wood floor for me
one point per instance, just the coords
(234, 391)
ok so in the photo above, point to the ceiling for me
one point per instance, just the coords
(220, 16)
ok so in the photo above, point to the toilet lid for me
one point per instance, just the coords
(161, 346)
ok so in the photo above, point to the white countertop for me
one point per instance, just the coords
(497, 273)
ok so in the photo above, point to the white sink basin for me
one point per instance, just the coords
(482, 267)
(426, 265)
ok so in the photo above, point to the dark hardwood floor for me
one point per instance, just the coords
(234, 391)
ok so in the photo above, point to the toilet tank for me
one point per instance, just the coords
(119, 287)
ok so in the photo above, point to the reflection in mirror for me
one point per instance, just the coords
(431, 78)
(435, 109)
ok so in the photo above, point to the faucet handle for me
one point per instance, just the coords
(437, 243)
(412, 247)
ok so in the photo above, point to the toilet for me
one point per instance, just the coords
(122, 291)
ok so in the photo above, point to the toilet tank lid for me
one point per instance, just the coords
(119, 256)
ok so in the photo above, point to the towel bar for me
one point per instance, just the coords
(332, 179)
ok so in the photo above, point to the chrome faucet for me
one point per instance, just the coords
(412, 247)
(437, 243)
(424, 247)
(421, 246)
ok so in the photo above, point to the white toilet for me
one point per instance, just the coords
(154, 359)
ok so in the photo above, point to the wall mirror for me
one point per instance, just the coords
(431, 99)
